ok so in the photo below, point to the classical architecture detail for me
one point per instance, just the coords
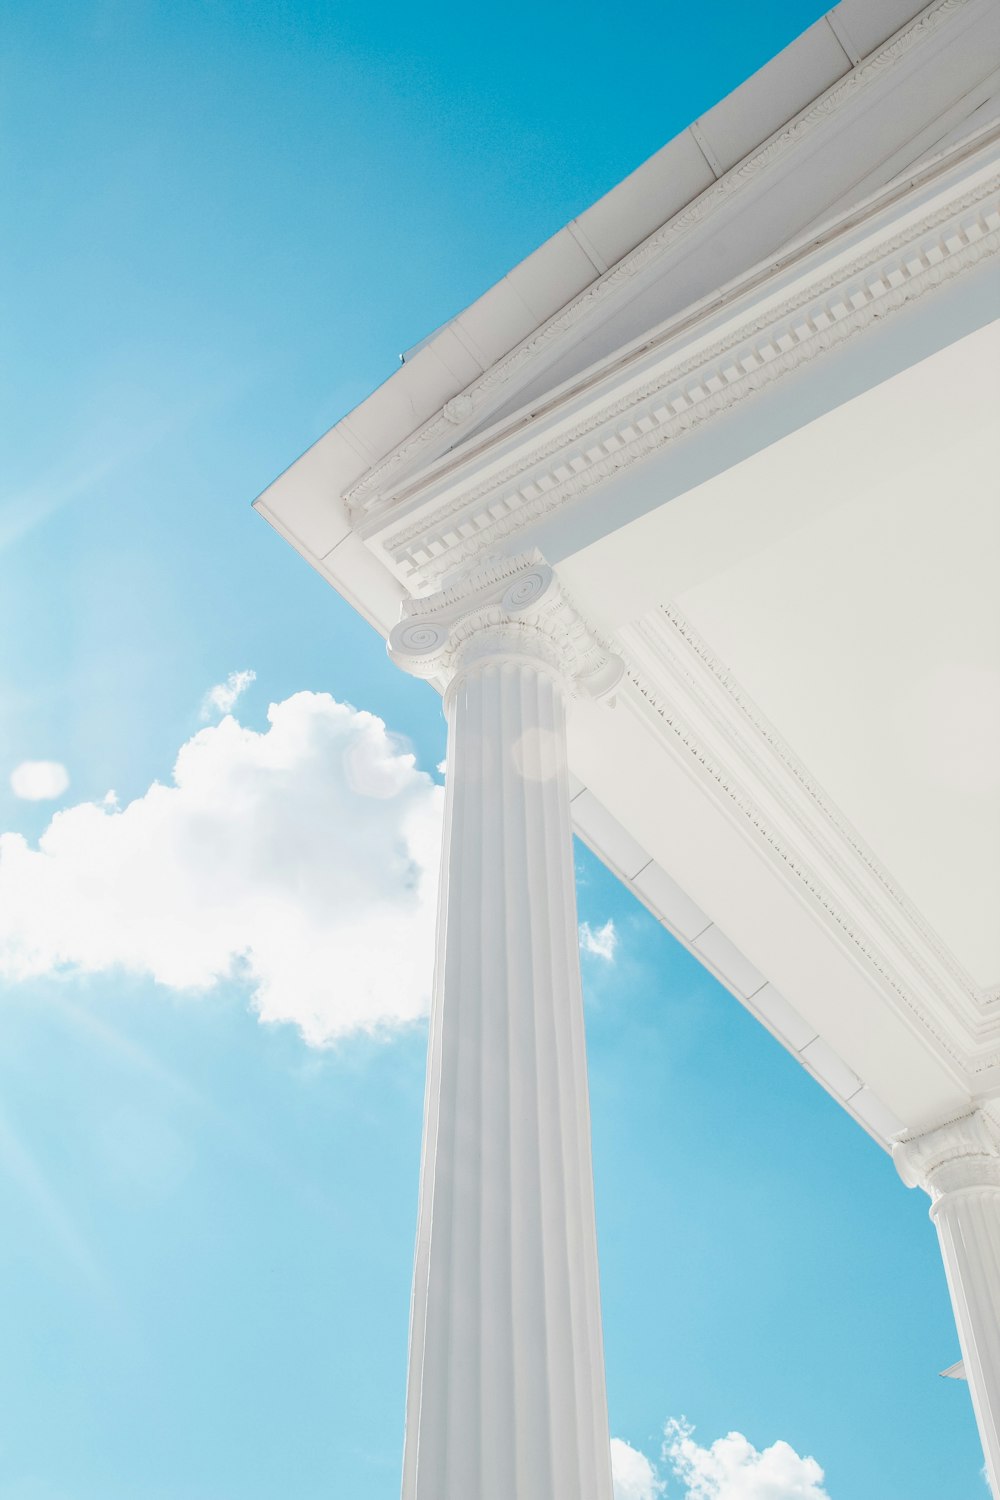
(962, 1153)
(843, 95)
(506, 1383)
(764, 398)
(458, 408)
(695, 697)
(958, 1164)
(514, 608)
(824, 312)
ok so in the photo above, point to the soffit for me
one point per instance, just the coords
(870, 636)
(842, 582)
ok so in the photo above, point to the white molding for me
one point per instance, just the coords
(372, 489)
(700, 711)
(473, 504)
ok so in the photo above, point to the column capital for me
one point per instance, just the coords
(959, 1154)
(511, 609)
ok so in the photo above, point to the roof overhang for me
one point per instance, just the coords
(812, 252)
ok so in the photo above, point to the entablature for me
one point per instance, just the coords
(825, 292)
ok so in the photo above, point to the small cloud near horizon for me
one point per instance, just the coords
(39, 780)
(730, 1468)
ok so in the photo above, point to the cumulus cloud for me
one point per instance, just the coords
(731, 1468)
(301, 860)
(39, 780)
(601, 942)
(222, 697)
(633, 1474)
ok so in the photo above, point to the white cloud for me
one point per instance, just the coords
(599, 941)
(222, 698)
(39, 780)
(302, 860)
(730, 1469)
(633, 1474)
(733, 1469)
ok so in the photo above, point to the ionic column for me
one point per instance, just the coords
(958, 1164)
(506, 1396)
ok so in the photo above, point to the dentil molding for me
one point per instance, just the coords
(633, 412)
(372, 490)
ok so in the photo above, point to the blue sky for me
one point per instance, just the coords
(223, 223)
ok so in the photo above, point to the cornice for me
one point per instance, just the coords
(369, 492)
(688, 390)
(512, 609)
(697, 706)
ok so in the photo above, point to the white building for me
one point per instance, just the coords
(693, 519)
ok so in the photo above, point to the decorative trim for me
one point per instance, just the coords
(367, 492)
(913, 931)
(684, 394)
(957, 1156)
(695, 697)
(510, 609)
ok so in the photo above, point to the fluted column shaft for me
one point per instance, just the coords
(958, 1164)
(506, 1396)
